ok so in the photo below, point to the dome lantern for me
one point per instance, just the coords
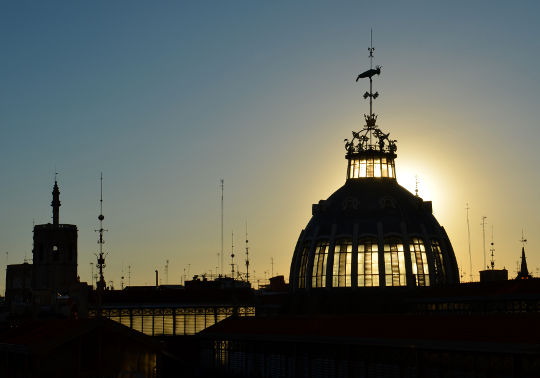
(371, 152)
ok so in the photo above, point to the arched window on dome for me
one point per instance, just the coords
(318, 277)
(342, 263)
(419, 262)
(394, 263)
(303, 266)
(368, 262)
(440, 272)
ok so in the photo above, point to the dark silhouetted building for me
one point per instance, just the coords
(50, 285)
(19, 288)
(81, 348)
(55, 252)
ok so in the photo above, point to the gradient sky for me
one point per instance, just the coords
(168, 97)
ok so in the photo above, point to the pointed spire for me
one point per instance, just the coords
(523, 274)
(524, 270)
(56, 203)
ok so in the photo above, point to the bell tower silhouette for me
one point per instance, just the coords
(55, 252)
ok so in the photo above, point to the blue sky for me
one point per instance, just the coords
(167, 98)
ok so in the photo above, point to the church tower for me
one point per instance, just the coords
(55, 252)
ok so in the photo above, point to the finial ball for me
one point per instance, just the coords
(101, 217)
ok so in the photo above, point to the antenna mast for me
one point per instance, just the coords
(232, 254)
(247, 256)
(492, 249)
(523, 240)
(222, 185)
(101, 257)
(469, 238)
(483, 224)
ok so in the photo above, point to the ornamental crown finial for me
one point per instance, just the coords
(370, 120)
(371, 139)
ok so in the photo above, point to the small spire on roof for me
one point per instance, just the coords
(523, 274)
(56, 202)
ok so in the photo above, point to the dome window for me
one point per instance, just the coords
(303, 266)
(319, 264)
(371, 167)
(342, 263)
(440, 272)
(368, 263)
(419, 262)
(394, 263)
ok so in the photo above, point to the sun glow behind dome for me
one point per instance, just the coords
(372, 232)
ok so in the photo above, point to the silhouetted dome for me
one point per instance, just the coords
(372, 231)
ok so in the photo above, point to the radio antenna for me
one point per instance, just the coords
(232, 254)
(247, 256)
(100, 285)
(469, 238)
(222, 185)
(483, 224)
(492, 249)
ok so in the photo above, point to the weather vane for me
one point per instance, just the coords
(369, 74)
(370, 138)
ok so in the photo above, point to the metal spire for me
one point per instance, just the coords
(371, 49)
(523, 273)
(523, 240)
(371, 118)
(369, 74)
(100, 285)
(56, 202)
